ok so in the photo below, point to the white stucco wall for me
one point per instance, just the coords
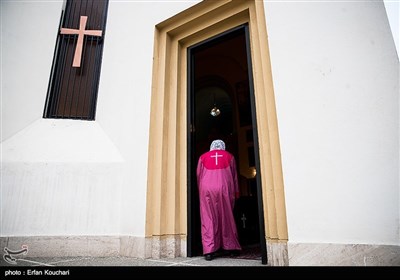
(336, 81)
(68, 177)
(125, 92)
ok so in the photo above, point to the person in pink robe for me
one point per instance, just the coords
(218, 188)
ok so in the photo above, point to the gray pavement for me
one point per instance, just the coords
(127, 261)
(125, 267)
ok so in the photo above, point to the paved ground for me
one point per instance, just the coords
(125, 261)
(178, 268)
(112, 267)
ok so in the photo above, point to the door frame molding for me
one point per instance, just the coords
(166, 210)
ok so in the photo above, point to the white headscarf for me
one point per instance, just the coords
(217, 145)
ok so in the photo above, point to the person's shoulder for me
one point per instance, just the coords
(203, 155)
(208, 153)
(229, 154)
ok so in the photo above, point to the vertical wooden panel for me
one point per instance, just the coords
(73, 90)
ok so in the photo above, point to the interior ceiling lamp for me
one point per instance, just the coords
(215, 111)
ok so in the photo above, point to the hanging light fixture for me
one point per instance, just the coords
(215, 111)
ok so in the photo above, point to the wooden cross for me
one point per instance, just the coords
(216, 157)
(81, 33)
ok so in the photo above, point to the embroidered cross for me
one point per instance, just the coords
(81, 33)
(216, 157)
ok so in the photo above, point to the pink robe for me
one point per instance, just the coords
(218, 188)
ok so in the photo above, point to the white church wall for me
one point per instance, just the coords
(28, 34)
(68, 177)
(335, 73)
(336, 81)
(125, 92)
